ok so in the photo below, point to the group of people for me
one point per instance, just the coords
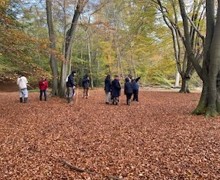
(22, 83)
(113, 89)
(71, 85)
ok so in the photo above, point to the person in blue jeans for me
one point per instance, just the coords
(135, 87)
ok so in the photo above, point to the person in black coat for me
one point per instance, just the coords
(70, 85)
(85, 85)
(116, 90)
(128, 90)
(107, 89)
(135, 86)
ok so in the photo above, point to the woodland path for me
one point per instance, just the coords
(157, 138)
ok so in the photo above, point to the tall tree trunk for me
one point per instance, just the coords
(68, 45)
(188, 41)
(214, 68)
(53, 61)
(210, 24)
(184, 85)
(90, 60)
(177, 80)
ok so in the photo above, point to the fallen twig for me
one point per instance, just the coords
(74, 168)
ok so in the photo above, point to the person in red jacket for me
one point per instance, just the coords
(43, 85)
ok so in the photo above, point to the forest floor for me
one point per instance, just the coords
(157, 138)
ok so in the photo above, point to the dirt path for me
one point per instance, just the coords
(157, 138)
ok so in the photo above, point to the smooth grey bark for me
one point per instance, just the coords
(183, 64)
(214, 68)
(68, 45)
(184, 85)
(188, 40)
(52, 38)
(209, 103)
(210, 24)
(177, 80)
(90, 60)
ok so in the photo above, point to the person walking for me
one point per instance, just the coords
(128, 90)
(43, 85)
(23, 91)
(107, 89)
(70, 85)
(135, 86)
(116, 90)
(85, 85)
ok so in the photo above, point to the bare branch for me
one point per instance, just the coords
(195, 28)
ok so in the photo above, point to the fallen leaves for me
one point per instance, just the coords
(157, 138)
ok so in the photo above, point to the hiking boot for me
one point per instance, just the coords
(21, 100)
(25, 100)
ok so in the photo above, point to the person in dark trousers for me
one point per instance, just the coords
(43, 85)
(116, 90)
(107, 89)
(70, 85)
(135, 87)
(128, 90)
(85, 85)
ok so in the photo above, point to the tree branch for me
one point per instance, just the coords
(195, 28)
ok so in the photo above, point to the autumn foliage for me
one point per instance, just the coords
(157, 138)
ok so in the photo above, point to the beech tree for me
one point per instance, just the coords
(209, 72)
(52, 38)
(68, 45)
(170, 15)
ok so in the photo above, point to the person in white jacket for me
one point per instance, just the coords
(22, 84)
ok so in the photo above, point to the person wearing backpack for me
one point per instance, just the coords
(85, 85)
(135, 87)
(22, 85)
(70, 85)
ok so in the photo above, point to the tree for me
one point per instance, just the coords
(170, 17)
(209, 72)
(68, 45)
(52, 38)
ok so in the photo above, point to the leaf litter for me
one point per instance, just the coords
(157, 138)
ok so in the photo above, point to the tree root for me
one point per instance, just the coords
(199, 111)
(184, 91)
(211, 113)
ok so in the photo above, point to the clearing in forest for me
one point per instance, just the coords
(157, 138)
